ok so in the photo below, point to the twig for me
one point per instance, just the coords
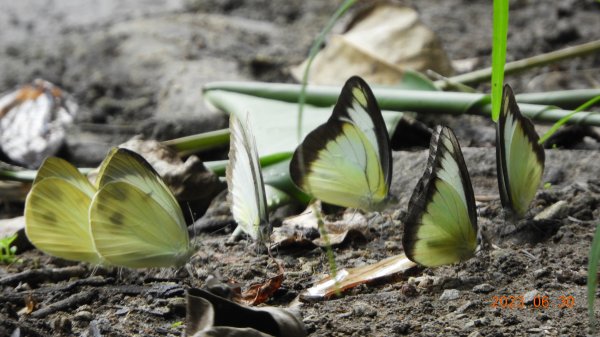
(40, 275)
(69, 302)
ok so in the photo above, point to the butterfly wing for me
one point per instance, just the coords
(56, 220)
(519, 157)
(125, 165)
(441, 225)
(347, 160)
(245, 182)
(131, 228)
(60, 168)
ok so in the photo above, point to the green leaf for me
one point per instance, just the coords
(592, 280)
(414, 80)
(273, 122)
(498, 54)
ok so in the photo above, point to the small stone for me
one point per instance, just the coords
(465, 307)
(177, 306)
(475, 334)
(363, 309)
(554, 211)
(539, 273)
(542, 317)
(84, 316)
(564, 276)
(530, 295)
(401, 328)
(61, 324)
(477, 323)
(450, 295)
(408, 290)
(483, 288)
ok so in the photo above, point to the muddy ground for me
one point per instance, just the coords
(137, 67)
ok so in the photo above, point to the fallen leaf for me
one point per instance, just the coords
(379, 45)
(211, 315)
(387, 270)
(303, 229)
(29, 307)
(261, 292)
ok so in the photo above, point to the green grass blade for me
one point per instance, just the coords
(199, 142)
(566, 118)
(592, 280)
(314, 50)
(498, 53)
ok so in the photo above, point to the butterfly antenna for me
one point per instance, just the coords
(192, 216)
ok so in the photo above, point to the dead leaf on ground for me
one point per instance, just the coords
(211, 315)
(387, 270)
(261, 292)
(379, 45)
(304, 228)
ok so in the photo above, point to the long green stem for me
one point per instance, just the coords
(427, 102)
(313, 53)
(196, 143)
(485, 74)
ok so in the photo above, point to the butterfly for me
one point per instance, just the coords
(519, 157)
(127, 218)
(441, 224)
(347, 161)
(56, 212)
(135, 220)
(33, 122)
(245, 182)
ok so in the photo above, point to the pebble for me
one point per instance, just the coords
(554, 211)
(363, 309)
(475, 334)
(542, 272)
(401, 328)
(177, 305)
(84, 315)
(477, 323)
(408, 290)
(564, 276)
(529, 296)
(465, 307)
(483, 288)
(450, 295)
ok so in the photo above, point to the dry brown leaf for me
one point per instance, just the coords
(304, 229)
(261, 292)
(379, 46)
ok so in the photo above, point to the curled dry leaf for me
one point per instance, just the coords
(33, 122)
(261, 292)
(388, 270)
(29, 307)
(211, 315)
(304, 229)
(379, 45)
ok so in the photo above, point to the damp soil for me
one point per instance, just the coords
(530, 258)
